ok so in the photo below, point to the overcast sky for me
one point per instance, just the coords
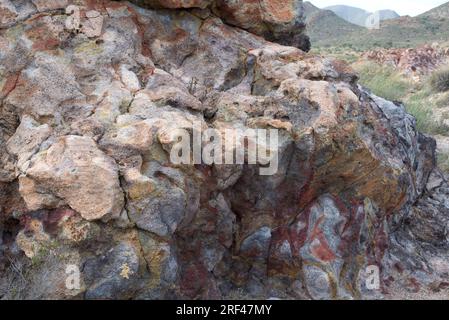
(403, 7)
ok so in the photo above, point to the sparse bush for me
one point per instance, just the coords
(422, 105)
(383, 81)
(442, 100)
(419, 100)
(439, 81)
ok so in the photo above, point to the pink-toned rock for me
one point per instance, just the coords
(43, 5)
(93, 26)
(281, 21)
(88, 125)
(277, 20)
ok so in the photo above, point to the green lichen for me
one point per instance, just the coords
(89, 48)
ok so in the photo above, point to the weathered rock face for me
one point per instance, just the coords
(87, 180)
(281, 21)
(276, 20)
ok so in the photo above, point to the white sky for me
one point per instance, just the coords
(403, 7)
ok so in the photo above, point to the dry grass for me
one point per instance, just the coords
(439, 81)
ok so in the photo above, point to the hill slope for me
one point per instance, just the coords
(401, 32)
(388, 14)
(351, 14)
(325, 24)
(441, 12)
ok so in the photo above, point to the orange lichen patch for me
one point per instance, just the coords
(249, 12)
(155, 262)
(379, 181)
(280, 10)
(75, 229)
(36, 227)
(140, 190)
(358, 169)
(270, 123)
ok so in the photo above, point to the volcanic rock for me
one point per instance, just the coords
(88, 123)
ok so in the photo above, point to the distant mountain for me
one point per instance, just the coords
(327, 29)
(388, 15)
(359, 16)
(351, 14)
(325, 24)
(441, 12)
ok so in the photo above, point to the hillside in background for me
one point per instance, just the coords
(441, 12)
(325, 24)
(358, 16)
(328, 30)
(351, 14)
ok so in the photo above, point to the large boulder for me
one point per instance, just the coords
(89, 122)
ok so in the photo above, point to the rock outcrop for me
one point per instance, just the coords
(281, 21)
(87, 121)
(413, 62)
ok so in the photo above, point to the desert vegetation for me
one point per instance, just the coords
(439, 80)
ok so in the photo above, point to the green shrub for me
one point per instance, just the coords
(421, 105)
(439, 81)
(383, 81)
(419, 100)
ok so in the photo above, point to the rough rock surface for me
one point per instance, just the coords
(413, 62)
(86, 117)
(277, 20)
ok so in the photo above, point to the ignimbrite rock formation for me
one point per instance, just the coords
(86, 112)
